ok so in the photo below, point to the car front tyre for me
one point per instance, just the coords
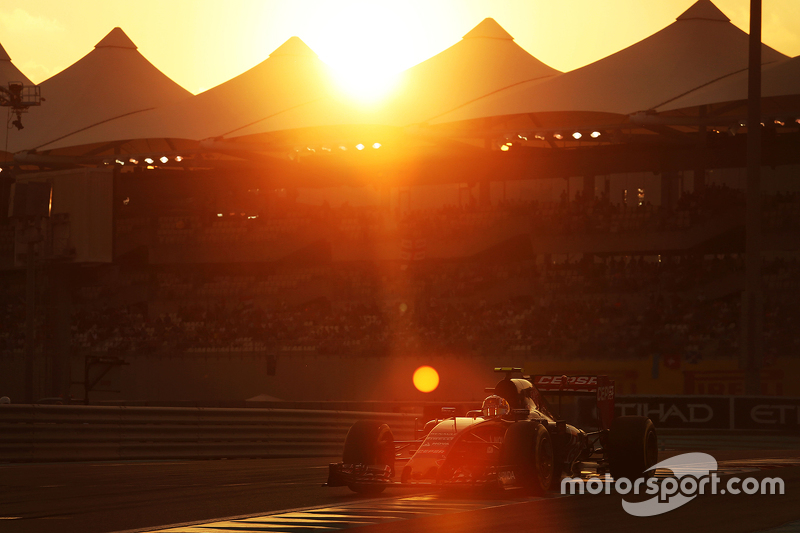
(369, 442)
(528, 449)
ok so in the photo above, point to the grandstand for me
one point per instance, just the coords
(519, 222)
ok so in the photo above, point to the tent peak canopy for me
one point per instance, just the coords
(3, 54)
(116, 38)
(294, 46)
(488, 29)
(703, 10)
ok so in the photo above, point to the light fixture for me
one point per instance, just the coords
(359, 146)
(376, 145)
(164, 159)
(219, 214)
(342, 147)
(133, 161)
(505, 148)
(577, 135)
(540, 137)
(558, 136)
(119, 162)
(178, 158)
(779, 122)
(148, 160)
(595, 134)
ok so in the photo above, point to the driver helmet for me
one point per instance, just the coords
(495, 406)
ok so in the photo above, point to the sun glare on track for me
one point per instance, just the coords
(426, 379)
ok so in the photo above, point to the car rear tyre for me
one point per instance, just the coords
(369, 443)
(632, 447)
(528, 449)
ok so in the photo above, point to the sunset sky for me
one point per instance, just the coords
(201, 43)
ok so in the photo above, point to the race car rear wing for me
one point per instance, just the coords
(599, 386)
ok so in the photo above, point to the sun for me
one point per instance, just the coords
(367, 45)
(364, 85)
(426, 379)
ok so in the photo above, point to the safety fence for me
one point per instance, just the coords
(86, 433)
(44, 433)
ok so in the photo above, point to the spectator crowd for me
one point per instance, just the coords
(554, 306)
(618, 308)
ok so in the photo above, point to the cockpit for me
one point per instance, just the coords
(520, 394)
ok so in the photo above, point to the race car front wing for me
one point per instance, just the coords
(342, 474)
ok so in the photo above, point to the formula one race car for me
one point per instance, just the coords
(514, 441)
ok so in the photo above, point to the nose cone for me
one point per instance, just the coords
(431, 455)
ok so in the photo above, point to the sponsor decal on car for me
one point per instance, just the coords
(436, 444)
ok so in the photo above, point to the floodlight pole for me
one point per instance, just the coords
(753, 301)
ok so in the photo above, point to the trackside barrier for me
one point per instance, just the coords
(86, 433)
(708, 412)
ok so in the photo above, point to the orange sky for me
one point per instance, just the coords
(201, 43)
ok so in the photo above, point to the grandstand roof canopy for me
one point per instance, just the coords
(482, 88)
(8, 71)
(292, 76)
(780, 91)
(699, 47)
(112, 80)
(485, 61)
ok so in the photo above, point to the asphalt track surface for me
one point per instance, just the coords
(146, 496)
